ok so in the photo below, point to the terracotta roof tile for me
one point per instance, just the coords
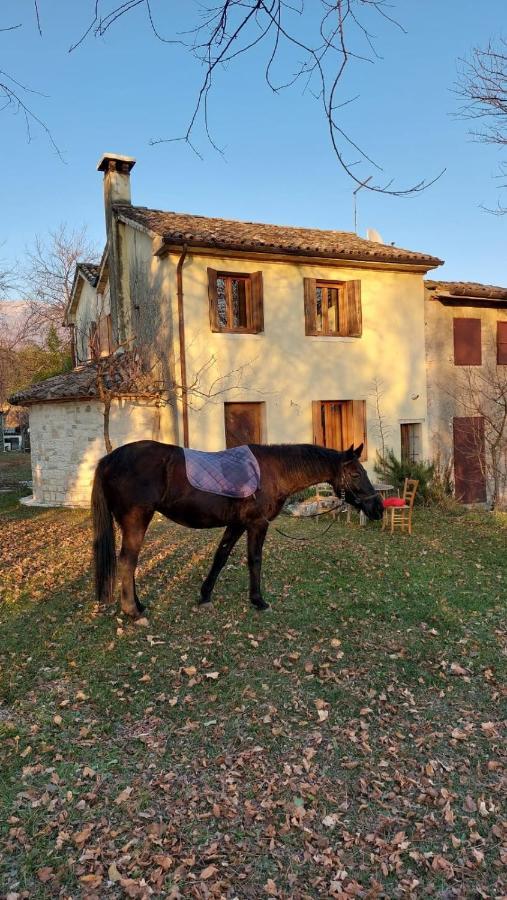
(90, 271)
(79, 384)
(467, 289)
(181, 228)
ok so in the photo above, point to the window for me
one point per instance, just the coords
(332, 308)
(501, 343)
(339, 423)
(235, 301)
(411, 441)
(467, 342)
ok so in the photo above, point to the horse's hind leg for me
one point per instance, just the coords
(230, 537)
(133, 527)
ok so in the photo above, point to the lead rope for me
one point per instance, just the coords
(340, 507)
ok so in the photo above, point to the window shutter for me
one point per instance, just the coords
(212, 294)
(353, 308)
(501, 343)
(318, 434)
(257, 301)
(310, 288)
(109, 333)
(359, 425)
(467, 342)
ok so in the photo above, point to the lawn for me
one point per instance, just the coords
(349, 742)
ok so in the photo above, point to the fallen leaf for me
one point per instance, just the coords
(45, 874)
(123, 796)
(208, 872)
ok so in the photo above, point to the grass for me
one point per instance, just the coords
(350, 740)
(15, 469)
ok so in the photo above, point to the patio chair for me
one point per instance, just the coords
(398, 510)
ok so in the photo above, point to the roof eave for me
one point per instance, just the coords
(170, 243)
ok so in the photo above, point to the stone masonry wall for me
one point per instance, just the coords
(67, 442)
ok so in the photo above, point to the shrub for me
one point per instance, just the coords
(395, 471)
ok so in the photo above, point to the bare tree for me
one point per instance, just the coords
(49, 275)
(135, 374)
(17, 97)
(482, 83)
(320, 37)
(380, 425)
(481, 393)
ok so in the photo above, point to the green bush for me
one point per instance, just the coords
(394, 471)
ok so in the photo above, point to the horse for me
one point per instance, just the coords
(138, 479)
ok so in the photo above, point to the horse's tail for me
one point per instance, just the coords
(104, 551)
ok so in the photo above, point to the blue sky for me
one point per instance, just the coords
(117, 92)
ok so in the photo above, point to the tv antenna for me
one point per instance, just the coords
(355, 193)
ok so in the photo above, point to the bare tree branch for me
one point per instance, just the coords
(325, 35)
(482, 83)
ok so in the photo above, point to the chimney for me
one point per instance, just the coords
(116, 171)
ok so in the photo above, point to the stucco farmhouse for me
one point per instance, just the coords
(254, 332)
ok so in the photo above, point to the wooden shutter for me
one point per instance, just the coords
(501, 343)
(310, 289)
(359, 425)
(110, 333)
(467, 342)
(257, 301)
(213, 301)
(318, 434)
(353, 317)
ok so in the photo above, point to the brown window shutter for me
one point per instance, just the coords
(353, 308)
(467, 342)
(257, 301)
(359, 425)
(310, 288)
(501, 343)
(212, 294)
(109, 332)
(318, 434)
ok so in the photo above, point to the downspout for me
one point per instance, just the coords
(181, 327)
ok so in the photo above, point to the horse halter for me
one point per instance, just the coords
(353, 494)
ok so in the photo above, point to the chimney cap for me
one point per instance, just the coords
(106, 158)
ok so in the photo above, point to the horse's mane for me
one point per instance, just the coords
(299, 458)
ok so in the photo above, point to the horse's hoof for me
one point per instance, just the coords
(132, 614)
(202, 601)
(261, 604)
(141, 607)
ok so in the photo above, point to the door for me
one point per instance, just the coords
(243, 423)
(469, 459)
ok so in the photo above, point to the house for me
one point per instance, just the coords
(259, 333)
(466, 350)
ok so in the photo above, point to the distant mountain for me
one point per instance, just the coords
(13, 315)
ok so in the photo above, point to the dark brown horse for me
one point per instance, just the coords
(139, 479)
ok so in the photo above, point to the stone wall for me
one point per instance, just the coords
(67, 442)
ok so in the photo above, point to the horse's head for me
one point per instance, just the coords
(359, 491)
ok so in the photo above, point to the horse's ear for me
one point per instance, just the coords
(358, 451)
(349, 454)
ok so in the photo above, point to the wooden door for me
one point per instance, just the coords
(469, 459)
(243, 423)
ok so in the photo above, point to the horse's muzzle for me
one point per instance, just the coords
(374, 508)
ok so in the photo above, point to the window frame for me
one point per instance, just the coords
(349, 308)
(254, 301)
(413, 437)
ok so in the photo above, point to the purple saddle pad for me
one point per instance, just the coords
(231, 473)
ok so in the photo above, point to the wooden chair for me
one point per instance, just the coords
(399, 514)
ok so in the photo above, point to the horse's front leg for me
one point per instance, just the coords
(133, 527)
(230, 537)
(256, 536)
